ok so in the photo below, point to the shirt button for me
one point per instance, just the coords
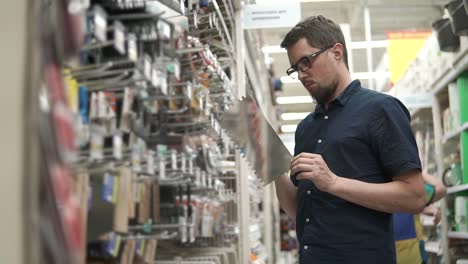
(326, 117)
(306, 247)
(309, 192)
(319, 141)
(307, 220)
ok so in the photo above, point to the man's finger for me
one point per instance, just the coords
(305, 155)
(298, 161)
(302, 168)
(305, 175)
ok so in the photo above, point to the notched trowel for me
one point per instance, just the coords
(258, 142)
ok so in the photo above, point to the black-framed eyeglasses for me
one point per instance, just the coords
(305, 63)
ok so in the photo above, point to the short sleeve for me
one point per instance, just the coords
(392, 138)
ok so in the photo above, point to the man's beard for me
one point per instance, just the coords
(324, 94)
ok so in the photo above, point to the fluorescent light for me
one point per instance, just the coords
(294, 116)
(286, 79)
(368, 44)
(370, 75)
(273, 49)
(294, 99)
(288, 128)
(351, 45)
(317, 1)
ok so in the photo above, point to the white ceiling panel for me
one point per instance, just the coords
(385, 15)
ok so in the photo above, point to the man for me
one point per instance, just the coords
(355, 161)
(408, 229)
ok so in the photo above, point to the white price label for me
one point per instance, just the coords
(132, 47)
(189, 91)
(195, 19)
(164, 85)
(147, 66)
(173, 159)
(150, 162)
(154, 77)
(97, 144)
(190, 165)
(100, 23)
(182, 7)
(177, 70)
(162, 168)
(210, 20)
(164, 30)
(203, 178)
(183, 165)
(136, 158)
(117, 146)
(210, 181)
(119, 37)
(197, 176)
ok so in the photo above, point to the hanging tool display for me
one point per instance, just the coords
(139, 161)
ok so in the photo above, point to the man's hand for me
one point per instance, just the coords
(312, 167)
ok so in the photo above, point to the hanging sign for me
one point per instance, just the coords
(416, 100)
(403, 48)
(272, 15)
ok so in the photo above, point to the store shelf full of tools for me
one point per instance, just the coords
(445, 79)
(136, 165)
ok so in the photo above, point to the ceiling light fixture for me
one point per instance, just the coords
(273, 49)
(294, 116)
(370, 75)
(294, 99)
(288, 128)
(317, 1)
(351, 45)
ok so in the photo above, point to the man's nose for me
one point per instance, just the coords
(301, 75)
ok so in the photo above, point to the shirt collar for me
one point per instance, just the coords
(342, 99)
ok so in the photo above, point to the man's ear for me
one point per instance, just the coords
(338, 51)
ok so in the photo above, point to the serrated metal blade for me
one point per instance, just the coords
(247, 127)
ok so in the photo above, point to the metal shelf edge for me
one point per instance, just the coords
(458, 188)
(452, 74)
(226, 31)
(460, 235)
(455, 133)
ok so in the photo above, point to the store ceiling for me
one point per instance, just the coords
(385, 15)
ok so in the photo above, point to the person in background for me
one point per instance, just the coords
(408, 229)
(355, 160)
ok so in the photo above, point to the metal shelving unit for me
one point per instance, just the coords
(458, 64)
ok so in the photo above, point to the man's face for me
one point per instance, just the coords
(321, 79)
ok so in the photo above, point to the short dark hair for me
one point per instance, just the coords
(319, 31)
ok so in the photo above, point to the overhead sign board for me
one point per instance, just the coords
(416, 100)
(272, 15)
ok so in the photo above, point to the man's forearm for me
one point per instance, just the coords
(391, 197)
(287, 195)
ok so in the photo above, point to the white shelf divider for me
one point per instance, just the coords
(460, 235)
(458, 188)
(455, 133)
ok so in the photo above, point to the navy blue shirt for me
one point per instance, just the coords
(363, 135)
